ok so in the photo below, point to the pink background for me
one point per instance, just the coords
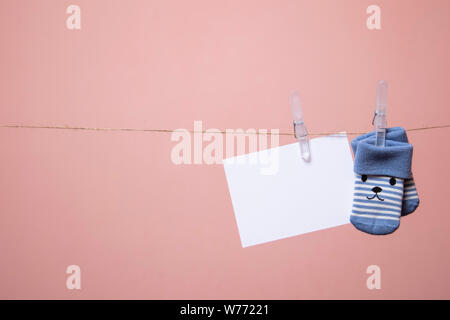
(140, 226)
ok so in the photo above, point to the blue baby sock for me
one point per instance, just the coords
(410, 197)
(380, 173)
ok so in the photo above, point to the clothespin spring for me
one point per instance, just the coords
(301, 134)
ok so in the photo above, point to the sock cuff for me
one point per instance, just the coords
(392, 160)
(394, 133)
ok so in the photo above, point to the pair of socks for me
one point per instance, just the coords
(384, 186)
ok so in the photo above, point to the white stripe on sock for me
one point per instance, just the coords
(374, 210)
(387, 201)
(375, 217)
(376, 205)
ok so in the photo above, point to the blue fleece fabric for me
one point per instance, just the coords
(392, 160)
(394, 133)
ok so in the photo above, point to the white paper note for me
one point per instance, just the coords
(298, 197)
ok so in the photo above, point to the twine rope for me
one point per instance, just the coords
(79, 128)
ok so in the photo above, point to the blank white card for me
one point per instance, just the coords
(284, 196)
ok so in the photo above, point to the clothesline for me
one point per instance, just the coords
(67, 127)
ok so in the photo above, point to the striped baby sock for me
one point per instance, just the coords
(380, 174)
(377, 203)
(410, 197)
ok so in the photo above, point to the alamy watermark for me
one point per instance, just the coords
(73, 281)
(73, 21)
(211, 146)
(374, 280)
(373, 22)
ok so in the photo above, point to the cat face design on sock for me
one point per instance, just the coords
(377, 203)
(377, 188)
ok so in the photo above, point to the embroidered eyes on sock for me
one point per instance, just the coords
(392, 181)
